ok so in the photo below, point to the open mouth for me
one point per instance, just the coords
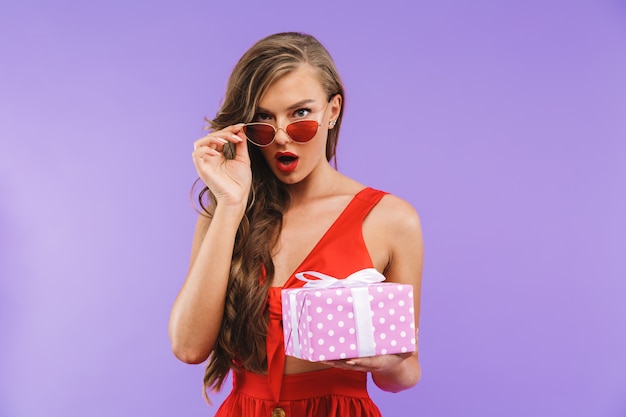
(286, 160)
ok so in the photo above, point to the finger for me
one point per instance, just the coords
(241, 150)
(231, 133)
(360, 363)
(228, 134)
(210, 141)
(235, 128)
(204, 151)
(346, 366)
(342, 363)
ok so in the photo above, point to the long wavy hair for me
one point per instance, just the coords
(241, 341)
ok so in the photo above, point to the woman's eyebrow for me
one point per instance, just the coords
(301, 103)
(294, 106)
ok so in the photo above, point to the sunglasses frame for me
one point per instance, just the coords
(276, 129)
(283, 129)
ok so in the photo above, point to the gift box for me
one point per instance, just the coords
(358, 316)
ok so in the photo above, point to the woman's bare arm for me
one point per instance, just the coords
(196, 316)
(404, 267)
(394, 236)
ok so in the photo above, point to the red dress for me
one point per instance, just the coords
(329, 392)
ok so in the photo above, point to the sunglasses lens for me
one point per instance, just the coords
(260, 134)
(302, 131)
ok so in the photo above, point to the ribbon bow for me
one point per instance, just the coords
(363, 277)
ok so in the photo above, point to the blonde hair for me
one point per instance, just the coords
(241, 341)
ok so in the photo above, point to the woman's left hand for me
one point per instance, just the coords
(380, 363)
(391, 373)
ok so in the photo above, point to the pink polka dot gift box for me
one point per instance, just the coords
(358, 316)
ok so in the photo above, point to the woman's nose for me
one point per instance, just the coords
(281, 137)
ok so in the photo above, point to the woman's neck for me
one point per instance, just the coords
(320, 183)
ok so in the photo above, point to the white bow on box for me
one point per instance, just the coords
(358, 282)
(363, 277)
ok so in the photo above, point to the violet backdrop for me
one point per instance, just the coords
(502, 122)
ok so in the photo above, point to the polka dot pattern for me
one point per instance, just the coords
(324, 321)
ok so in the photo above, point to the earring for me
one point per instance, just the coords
(332, 123)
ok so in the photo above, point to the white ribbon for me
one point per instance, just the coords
(363, 277)
(363, 319)
(360, 302)
(294, 323)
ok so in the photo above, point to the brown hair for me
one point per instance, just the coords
(241, 341)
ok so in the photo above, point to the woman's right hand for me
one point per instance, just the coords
(228, 179)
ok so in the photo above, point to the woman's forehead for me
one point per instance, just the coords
(301, 85)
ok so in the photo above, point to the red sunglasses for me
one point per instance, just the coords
(263, 134)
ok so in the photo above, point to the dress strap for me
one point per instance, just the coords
(361, 205)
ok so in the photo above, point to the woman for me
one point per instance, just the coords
(277, 206)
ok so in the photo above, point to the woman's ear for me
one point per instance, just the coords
(335, 110)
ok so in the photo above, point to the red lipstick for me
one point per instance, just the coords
(286, 161)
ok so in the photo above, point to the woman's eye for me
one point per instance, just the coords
(302, 112)
(262, 117)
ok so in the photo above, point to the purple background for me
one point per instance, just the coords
(503, 123)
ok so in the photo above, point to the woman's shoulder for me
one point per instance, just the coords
(393, 234)
(390, 210)
(395, 213)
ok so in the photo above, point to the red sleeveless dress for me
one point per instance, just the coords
(329, 392)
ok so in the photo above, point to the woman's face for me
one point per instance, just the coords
(297, 95)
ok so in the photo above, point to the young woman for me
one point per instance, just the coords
(277, 207)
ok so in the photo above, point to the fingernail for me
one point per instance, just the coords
(350, 363)
(237, 138)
